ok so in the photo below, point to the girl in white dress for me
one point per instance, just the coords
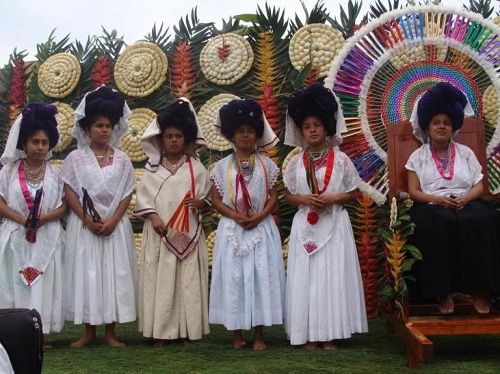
(100, 256)
(31, 235)
(173, 282)
(248, 281)
(324, 300)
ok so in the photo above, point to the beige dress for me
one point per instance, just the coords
(173, 293)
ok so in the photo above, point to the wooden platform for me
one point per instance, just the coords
(415, 329)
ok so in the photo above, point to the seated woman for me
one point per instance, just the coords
(455, 231)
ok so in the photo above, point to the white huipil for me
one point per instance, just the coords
(100, 271)
(324, 291)
(248, 280)
(41, 289)
(173, 293)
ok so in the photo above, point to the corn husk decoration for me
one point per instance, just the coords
(141, 69)
(207, 116)
(226, 58)
(65, 121)
(59, 75)
(316, 44)
(139, 120)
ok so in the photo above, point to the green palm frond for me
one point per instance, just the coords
(348, 20)
(482, 7)
(109, 44)
(160, 37)
(86, 54)
(379, 8)
(51, 46)
(318, 14)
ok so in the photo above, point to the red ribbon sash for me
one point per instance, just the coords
(311, 174)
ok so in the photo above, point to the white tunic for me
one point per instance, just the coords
(248, 280)
(467, 171)
(100, 271)
(324, 299)
(5, 365)
(43, 293)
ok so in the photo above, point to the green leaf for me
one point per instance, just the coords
(383, 233)
(407, 265)
(405, 217)
(403, 289)
(246, 17)
(387, 291)
(298, 81)
(415, 253)
(398, 305)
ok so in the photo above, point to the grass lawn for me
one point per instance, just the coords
(376, 352)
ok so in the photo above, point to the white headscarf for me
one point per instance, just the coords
(119, 129)
(11, 153)
(265, 142)
(415, 124)
(152, 147)
(293, 134)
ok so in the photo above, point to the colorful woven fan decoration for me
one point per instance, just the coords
(376, 90)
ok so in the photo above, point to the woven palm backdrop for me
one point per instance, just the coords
(378, 64)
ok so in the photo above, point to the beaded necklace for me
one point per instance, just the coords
(173, 167)
(245, 167)
(34, 176)
(445, 165)
(103, 159)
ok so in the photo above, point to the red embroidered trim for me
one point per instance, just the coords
(310, 247)
(30, 274)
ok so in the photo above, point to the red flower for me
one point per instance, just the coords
(312, 218)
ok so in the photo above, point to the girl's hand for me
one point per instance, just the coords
(249, 223)
(461, 201)
(445, 201)
(22, 220)
(42, 220)
(314, 201)
(158, 225)
(94, 227)
(194, 203)
(331, 198)
(107, 227)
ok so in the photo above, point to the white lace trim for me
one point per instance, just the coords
(217, 180)
(242, 248)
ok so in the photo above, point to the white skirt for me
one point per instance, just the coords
(100, 274)
(247, 290)
(45, 295)
(5, 365)
(325, 299)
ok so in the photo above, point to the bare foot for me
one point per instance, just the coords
(329, 346)
(111, 338)
(481, 303)
(158, 343)
(83, 341)
(258, 339)
(238, 340)
(446, 304)
(311, 346)
(113, 342)
(259, 345)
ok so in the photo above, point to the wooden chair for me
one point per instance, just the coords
(418, 321)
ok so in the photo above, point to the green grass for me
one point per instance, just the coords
(376, 352)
